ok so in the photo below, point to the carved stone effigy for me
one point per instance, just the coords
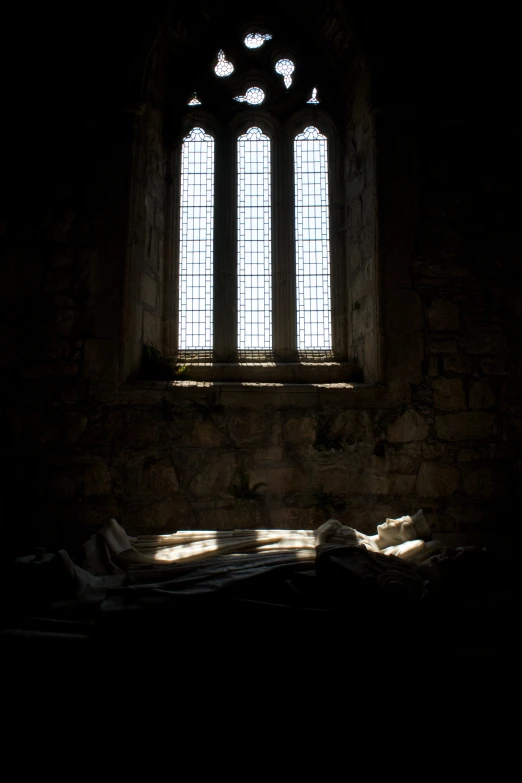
(406, 537)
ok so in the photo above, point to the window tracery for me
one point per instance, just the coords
(256, 40)
(285, 68)
(259, 227)
(223, 67)
(254, 96)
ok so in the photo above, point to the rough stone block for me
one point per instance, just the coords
(405, 355)
(280, 479)
(481, 395)
(482, 340)
(214, 475)
(443, 315)
(149, 291)
(493, 366)
(435, 450)
(404, 310)
(468, 455)
(401, 484)
(458, 363)
(151, 329)
(97, 479)
(436, 479)
(402, 460)
(443, 346)
(100, 359)
(204, 434)
(352, 426)
(433, 367)
(160, 478)
(367, 484)
(332, 480)
(464, 426)
(511, 397)
(448, 394)
(268, 454)
(512, 429)
(409, 426)
(167, 515)
(251, 427)
(299, 431)
(478, 482)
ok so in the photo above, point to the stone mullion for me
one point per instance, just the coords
(283, 275)
(225, 252)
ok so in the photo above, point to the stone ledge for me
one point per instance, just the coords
(301, 372)
(254, 394)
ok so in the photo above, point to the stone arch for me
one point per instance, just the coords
(148, 313)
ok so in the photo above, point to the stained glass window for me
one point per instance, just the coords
(312, 239)
(196, 241)
(313, 98)
(194, 101)
(254, 237)
(255, 40)
(285, 68)
(223, 66)
(253, 95)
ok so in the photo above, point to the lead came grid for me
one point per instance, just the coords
(254, 242)
(196, 241)
(312, 239)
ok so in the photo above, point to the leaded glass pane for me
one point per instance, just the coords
(223, 66)
(196, 241)
(255, 40)
(253, 95)
(254, 241)
(285, 68)
(312, 238)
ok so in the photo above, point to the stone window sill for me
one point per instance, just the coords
(255, 393)
(274, 372)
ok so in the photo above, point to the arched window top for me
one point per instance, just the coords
(198, 134)
(311, 133)
(254, 134)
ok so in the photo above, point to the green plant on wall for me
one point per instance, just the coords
(155, 367)
(326, 502)
(243, 491)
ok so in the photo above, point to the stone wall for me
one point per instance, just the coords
(442, 432)
(361, 231)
